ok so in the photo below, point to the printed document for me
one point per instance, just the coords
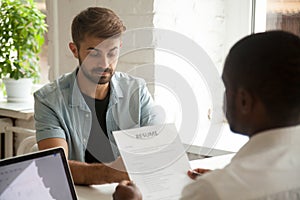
(155, 160)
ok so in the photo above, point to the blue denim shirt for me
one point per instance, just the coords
(61, 111)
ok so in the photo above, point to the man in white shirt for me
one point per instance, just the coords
(262, 100)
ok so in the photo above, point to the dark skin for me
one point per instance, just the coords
(246, 113)
(193, 174)
(243, 102)
(127, 190)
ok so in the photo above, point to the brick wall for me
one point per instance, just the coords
(213, 24)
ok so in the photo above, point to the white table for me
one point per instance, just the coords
(18, 110)
(216, 162)
(95, 192)
(104, 192)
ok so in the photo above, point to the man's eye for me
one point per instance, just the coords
(94, 53)
(113, 54)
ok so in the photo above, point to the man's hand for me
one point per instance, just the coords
(96, 173)
(127, 190)
(193, 174)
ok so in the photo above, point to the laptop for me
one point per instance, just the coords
(39, 175)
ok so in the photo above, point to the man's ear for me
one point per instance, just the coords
(244, 101)
(74, 49)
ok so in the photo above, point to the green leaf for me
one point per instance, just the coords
(22, 27)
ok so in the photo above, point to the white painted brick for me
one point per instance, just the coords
(165, 6)
(128, 6)
(165, 20)
(137, 38)
(139, 56)
(200, 20)
(137, 20)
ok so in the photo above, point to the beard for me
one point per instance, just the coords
(93, 74)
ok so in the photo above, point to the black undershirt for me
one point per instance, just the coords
(98, 148)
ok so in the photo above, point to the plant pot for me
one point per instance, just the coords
(18, 90)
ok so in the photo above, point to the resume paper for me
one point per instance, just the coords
(155, 160)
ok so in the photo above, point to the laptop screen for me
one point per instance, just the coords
(39, 175)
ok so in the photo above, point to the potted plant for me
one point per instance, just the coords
(22, 28)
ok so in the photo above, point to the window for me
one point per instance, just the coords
(277, 14)
(283, 14)
(44, 67)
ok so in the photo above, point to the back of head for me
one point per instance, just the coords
(268, 65)
(97, 22)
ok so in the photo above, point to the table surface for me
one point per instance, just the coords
(215, 162)
(95, 192)
(18, 110)
(25, 110)
(104, 192)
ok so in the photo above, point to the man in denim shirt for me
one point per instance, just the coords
(80, 110)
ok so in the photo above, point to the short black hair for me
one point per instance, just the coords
(268, 65)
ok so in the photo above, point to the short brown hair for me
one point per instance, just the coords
(98, 22)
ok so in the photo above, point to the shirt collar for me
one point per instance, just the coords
(76, 98)
(115, 86)
(270, 139)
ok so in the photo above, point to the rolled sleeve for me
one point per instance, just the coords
(47, 123)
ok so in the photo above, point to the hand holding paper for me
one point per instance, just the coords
(155, 160)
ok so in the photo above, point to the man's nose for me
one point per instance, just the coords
(103, 62)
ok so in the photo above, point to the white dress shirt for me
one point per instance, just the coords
(267, 167)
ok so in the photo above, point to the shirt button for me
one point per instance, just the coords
(87, 115)
(84, 140)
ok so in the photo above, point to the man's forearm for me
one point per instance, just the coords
(96, 173)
